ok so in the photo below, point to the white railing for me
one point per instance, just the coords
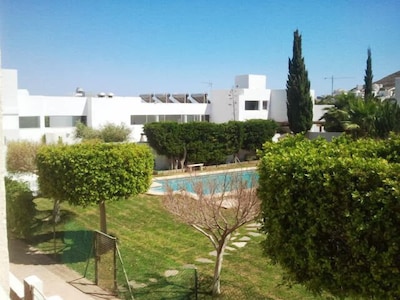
(31, 289)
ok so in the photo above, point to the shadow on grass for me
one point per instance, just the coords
(69, 247)
(178, 287)
(182, 287)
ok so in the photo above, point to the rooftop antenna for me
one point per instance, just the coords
(332, 78)
(209, 83)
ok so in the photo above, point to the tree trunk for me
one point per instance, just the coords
(56, 219)
(183, 159)
(216, 289)
(103, 220)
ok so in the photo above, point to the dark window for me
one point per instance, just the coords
(29, 122)
(251, 105)
(138, 119)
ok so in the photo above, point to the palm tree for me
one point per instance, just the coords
(387, 118)
(362, 117)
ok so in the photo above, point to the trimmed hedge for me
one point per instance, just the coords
(209, 143)
(331, 213)
(89, 173)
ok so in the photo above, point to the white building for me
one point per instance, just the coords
(31, 117)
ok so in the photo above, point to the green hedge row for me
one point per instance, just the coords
(331, 212)
(209, 143)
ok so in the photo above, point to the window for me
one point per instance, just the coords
(151, 118)
(138, 119)
(265, 104)
(143, 119)
(174, 118)
(195, 118)
(251, 105)
(29, 122)
(63, 121)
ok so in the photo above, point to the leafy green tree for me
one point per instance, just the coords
(206, 143)
(93, 173)
(192, 142)
(21, 156)
(334, 209)
(368, 77)
(299, 103)
(20, 208)
(234, 135)
(169, 139)
(257, 132)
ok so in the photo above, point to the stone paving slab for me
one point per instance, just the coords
(239, 244)
(254, 234)
(204, 260)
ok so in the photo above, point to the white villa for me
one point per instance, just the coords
(30, 117)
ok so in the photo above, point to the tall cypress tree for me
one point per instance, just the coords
(368, 77)
(299, 103)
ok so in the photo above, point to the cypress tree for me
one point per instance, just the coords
(368, 77)
(299, 103)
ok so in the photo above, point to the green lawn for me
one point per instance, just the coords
(151, 241)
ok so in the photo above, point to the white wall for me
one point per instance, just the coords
(4, 260)
(222, 107)
(278, 106)
(9, 94)
(251, 81)
(258, 95)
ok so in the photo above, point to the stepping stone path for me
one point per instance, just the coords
(204, 260)
(254, 234)
(236, 241)
(214, 253)
(136, 285)
(170, 273)
(239, 244)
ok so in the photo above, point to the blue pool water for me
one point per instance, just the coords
(221, 181)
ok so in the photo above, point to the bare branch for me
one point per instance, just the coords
(216, 209)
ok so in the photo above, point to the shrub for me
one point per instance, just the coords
(107, 133)
(334, 208)
(114, 133)
(21, 156)
(20, 208)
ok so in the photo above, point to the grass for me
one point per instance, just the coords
(151, 241)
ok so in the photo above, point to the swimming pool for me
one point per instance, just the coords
(220, 181)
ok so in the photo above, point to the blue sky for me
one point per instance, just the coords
(130, 47)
